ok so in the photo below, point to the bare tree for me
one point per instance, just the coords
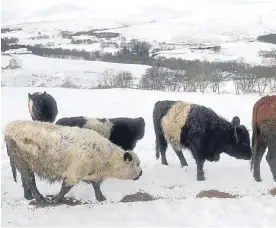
(202, 83)
(203, 79)
(178, 79)
(156, 78)
(237, 88)
(123, 79)
(247, 83)
(262, 84)
(67, 83)
(217, 79)
(14, 63)
(272, 85)
(107, 78)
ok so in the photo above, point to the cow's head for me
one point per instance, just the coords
(239, 143)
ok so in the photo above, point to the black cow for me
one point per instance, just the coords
(42, 107)
(199, 129)
(122, 131)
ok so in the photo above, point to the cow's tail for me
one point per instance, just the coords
(157, 127)
(255, 132)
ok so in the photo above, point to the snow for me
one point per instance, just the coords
(230, 24)
(86, 47)
(178, 186)
(15, 51)
(37, 70)
(196, 20)
(239, 51)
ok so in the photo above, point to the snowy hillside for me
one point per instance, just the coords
(198, 20)
(174, 188)
(49, 72)
(39, 71)
(226, 23)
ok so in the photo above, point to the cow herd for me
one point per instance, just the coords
(91, 150)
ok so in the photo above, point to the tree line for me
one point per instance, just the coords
(174, 74)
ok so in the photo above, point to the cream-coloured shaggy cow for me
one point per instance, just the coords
(71, 154)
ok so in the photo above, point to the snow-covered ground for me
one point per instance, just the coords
(240, 51)
(176, 186)
(230, 24)
(37, 71)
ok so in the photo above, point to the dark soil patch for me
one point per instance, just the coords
(70, 201)
(214, 194)
(273, 192)
(139, 196)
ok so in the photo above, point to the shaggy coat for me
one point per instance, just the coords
(65, 153)
(42, 107)
(122, 131)
(199, 129)
(264, 135)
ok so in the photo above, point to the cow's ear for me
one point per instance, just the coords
(127, 157)
(236, 121)
(29, 96)
(44, 93)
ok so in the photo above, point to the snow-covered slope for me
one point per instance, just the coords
(227, 23)
(38, 71)
(239, 51)
(197, 20)
(176, 187)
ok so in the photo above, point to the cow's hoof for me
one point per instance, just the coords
(101, 199)
(164, 163)
(258, 179)
(28, 196)
(201, 178)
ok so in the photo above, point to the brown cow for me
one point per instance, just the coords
(264, 135)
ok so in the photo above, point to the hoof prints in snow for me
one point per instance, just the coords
(70, 201)
(142, 197)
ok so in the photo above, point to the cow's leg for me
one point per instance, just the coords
(98, 193)
(11, 149)
(157, 149)
(179, 153)
(28, 178)
(27, 192)
(258, 153)
(271, 159)
(162, 146)
(196, 149)
(200, 171)
(63, 191)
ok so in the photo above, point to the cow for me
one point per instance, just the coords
(122, 131)
(264, 135)
(68, 154)
(42, 107)
(199, 129)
